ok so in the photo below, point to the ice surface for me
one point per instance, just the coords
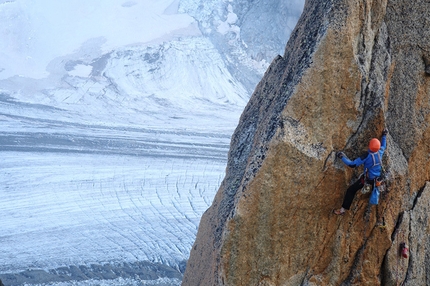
(108, 186)
(115, 282)
(77, 209)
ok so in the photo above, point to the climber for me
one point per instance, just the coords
(372, 169)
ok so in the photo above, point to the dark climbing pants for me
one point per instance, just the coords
(352, 190)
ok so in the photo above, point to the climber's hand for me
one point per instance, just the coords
(385, 131)
(340, 155)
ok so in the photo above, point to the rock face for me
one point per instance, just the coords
(351, 68)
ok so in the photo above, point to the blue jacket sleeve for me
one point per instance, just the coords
(355, 163)
(383, 143)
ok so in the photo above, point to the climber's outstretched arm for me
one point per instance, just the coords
(357, 162)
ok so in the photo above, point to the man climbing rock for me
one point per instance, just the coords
(372, 161)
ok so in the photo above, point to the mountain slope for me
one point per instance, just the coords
(350, 69)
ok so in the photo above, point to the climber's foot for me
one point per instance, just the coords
(339, 212)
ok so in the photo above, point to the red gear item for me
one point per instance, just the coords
(404, 251)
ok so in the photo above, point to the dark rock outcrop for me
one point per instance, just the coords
(350, 69)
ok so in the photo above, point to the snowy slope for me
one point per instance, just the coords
(35, 32)
(116, 119)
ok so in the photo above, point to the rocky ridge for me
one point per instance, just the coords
(350, 69)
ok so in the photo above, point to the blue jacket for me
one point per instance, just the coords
(372, 161)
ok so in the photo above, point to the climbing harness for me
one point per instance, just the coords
(376, 183)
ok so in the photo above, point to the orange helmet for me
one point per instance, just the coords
(374, 145)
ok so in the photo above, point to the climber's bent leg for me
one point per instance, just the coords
(350, 193)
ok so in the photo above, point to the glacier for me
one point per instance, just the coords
(115, 121)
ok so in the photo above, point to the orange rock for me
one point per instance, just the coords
(350, 69)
